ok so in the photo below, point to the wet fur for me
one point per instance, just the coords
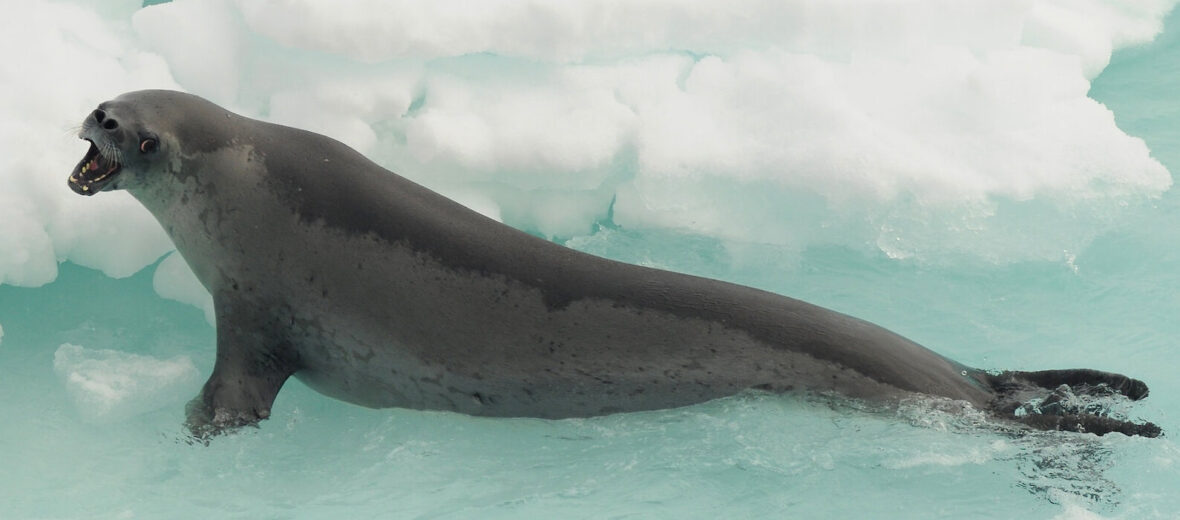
(377, 291)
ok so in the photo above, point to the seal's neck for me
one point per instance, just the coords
(178, 213)
(195, 201)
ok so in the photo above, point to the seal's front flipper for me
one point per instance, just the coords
(232, 398)
(1088, 424)
(1081, 378)
(250, 369)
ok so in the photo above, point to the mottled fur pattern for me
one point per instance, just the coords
(374, 290)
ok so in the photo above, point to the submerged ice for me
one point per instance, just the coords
(109, 385)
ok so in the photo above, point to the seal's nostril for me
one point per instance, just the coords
(100, 117)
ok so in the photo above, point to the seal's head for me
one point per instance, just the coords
(137, 135)
(118, 141)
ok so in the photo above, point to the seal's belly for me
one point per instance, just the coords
(607, 366)
(350, 388)
(376, 377)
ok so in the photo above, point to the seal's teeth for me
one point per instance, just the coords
(85, 188)
(73, 178)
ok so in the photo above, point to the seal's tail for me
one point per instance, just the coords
(1068, 400)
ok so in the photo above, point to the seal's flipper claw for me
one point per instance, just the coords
(1081, 378)
(1089, 424)
(217, 410)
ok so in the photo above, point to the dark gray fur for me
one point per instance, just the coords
(377, 291)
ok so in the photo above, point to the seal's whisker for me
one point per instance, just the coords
(111, 152)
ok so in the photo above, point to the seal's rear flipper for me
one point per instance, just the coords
(1079, 379)
(1088, 424)
(1075, 400)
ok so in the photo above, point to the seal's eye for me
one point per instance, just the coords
(147, 145)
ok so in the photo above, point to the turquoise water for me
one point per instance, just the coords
(94, 373)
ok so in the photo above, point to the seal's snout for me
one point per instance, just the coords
(102, 161)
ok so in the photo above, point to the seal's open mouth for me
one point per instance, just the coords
(94, 172)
